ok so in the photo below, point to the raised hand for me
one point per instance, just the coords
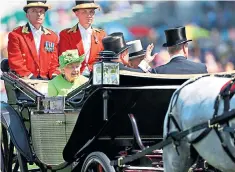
(148, 58)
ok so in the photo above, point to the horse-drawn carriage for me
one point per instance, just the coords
(88, 128)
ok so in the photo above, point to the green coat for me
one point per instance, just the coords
(61, 87)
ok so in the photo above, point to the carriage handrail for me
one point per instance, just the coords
(17, 83)
(78, 90)
(74, 103)
(172, 76)
(176, 136)
(136, 131)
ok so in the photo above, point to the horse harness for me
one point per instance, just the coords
(226, 93)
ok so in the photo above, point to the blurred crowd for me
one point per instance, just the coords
(146, 20)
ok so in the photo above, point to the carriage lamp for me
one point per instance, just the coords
(53, 104)
(105, 71)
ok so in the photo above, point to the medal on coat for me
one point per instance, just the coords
(52, 47)
(46, 46)
(49, 46)
(96, 39)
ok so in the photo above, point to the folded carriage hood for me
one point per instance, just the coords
(16, 129)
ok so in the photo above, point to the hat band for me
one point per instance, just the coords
(83, 2)
(178, 42)
(86, 5)
(29, 2)
(141, 52)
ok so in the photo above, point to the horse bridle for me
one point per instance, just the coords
(226, 93)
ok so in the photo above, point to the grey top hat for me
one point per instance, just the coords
(135, 49)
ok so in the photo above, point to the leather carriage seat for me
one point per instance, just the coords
(39, 85)
(5, 65)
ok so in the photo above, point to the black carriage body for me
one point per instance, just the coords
(144, 96)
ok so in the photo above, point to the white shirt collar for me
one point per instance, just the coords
(33, 29)
(176, 55)
(83, 30)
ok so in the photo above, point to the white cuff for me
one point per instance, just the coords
(30, 75)
(144, 66)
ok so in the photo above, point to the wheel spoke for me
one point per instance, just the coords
(2, 160)
(5, 138)
(10, 157)
(90, 170)
(22, 163)
(5, 148)
(16, 168)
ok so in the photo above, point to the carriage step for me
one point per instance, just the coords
(154, 156)
(139, 169)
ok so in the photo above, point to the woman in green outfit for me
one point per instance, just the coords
(70, 78)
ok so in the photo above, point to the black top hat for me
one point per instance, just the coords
(36, 3)
(85, 4)
(115, 42)
(175, 36)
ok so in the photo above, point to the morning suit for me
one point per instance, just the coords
(180, 65)
(122, 67)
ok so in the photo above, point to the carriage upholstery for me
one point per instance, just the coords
(5, 65)
(39, 85)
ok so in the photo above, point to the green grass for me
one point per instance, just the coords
(34, 166)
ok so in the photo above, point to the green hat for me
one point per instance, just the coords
(70, 56)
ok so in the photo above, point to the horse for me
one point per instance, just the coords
(198, 100)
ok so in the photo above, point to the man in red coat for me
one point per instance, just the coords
(83, 36)
(32, 49)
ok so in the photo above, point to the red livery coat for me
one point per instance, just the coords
(71, 39)
(23, 57)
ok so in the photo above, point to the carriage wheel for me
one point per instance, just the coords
(9, 159)
(97, 162)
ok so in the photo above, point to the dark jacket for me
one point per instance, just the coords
(180, 65)
(122, 67)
